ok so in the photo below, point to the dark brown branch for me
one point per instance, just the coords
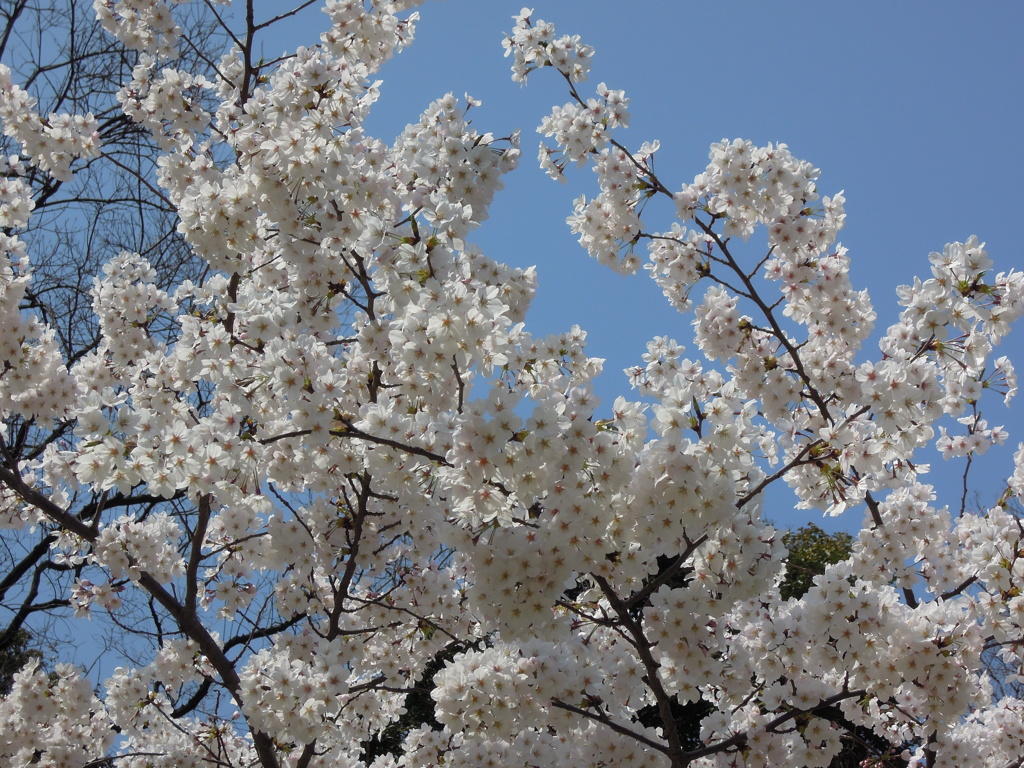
(308, 752)
(26, 563)
(738, 739)
(796, 461)
(196, 555)
(632, 625)
(301, 7)
(189, 623)
(12, 17)
(187, 620)
(602, 718)
(957, 590)
(640, 597)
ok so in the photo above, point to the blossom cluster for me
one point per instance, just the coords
(53, 143)
(36, 383)
(53, 715)
(533, 45)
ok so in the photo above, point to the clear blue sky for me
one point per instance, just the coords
(914, 109)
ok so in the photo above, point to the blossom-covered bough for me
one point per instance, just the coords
(342, 456)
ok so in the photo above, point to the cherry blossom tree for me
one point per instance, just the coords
(102, 204)
(339, 462)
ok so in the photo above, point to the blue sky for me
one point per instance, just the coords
(913, 108)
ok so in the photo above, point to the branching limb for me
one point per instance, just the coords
(603, 719)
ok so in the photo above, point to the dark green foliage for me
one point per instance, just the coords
(861, 746)
(13, 656)
(687, 717)
(419, 709)
(811, 550)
